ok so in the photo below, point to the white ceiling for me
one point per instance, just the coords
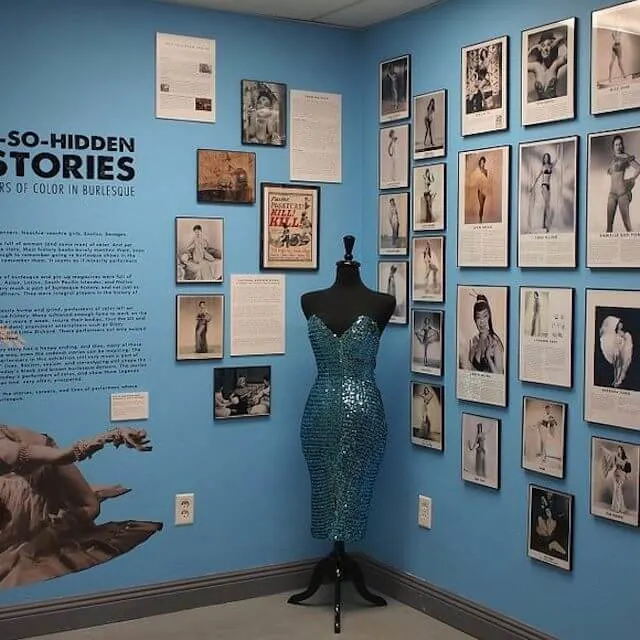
(353, 14)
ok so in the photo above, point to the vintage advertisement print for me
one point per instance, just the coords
(430, 125)
(393, 224)
(427, 415)
(481, 450)
(429, 201)
(544, 425)
(427, 342)
(395, 88)
(393, 278)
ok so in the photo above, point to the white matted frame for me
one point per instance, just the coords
(393, 224)
(429, 197)
(430, 125)
(480, 440)
(427, 415)
(427, 341)
(393, 158)
(393, 278)
(394, 97)
(199, 326)
(544, 427)
(427, 269)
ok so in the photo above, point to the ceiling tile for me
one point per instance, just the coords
(369, 12)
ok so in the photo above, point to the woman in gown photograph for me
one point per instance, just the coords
(485, 351)
(428, 124)
(478, 445)
(199, 260)
(392, 154)
(394, 222)
(544, 176)
(545, 61)
(616, 345)
(621, 185)
(616, 467)
(428, 196)
(203, 318)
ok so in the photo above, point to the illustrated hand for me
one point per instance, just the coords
(134, 438)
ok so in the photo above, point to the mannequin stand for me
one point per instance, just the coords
(338, 567)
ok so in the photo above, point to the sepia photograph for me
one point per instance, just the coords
(241, 392)
(199, 250)
(395, 88)
(481, 450)
(427, 265)
(543, 436)
(427, 342)
(226, 177)
(264, 113)
(429, 202)
(615, 480)
(393, 224)
(430, 125)
(199, 326)
(393, 278)
(427, 415)
(393, 164)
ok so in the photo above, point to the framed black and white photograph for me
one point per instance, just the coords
(427, 415)
(393, 163)
(264, 113)
(613, 167)
(484, 87)
(546, 336)
(615, 480)
(548, 72)
(615, 58)
(481, 338)
(429, 197)
(226, 177)
(550, 526)
(430, 125)
(393, 278)
(427, 266)
(427, 342)
(199, 250)
(241, 392)
(199, 326)
(483, 207)
(547, 203)
(480, 439)
(395, 88)
(544, 426)
(612, 366)
(393, 224)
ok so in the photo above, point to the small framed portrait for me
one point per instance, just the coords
(289, 226)
(199, 326)
(393, 279)
(548, 67)
(430, 125)
(544, 425)
(394, 157)
(264, 113)
(484, 87)
(241, 392)
(393, 224)
(427, 415)
(427, 342)
(615, 480)
(429, 197)
(615, 45)
(481, 450)
(199, 250)
(395, 88)
(226, 177)
(427, 265)
(550, 526)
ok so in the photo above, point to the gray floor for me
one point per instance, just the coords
(271, 618)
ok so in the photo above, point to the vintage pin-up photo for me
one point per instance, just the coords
(543, 435)
(264, 113)
(395, 88)
(393, 224)
(430, 125)
(427, 415)
(199, 250)
(393, 163)
(480, 437)
(199, 326)
(393, 278)
(427, 341)
(427, 262)
(429, 201)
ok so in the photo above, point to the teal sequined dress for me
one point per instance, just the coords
(343, 430)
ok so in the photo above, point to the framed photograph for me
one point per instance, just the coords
(483, 207)
(427, 265)
(615, 480)
(427, 415)
(264, 113)
(199, 250)
(481, 450)
(199, 326)
(394, 157)
(430, 125)
(546, 336)
(544, 426)
(427, 342)
(548, 68)
(615, 63)
(241, 392)
(395, 88)
(393, 224)
(429, 197)
(612, 366)
(547, 203)
(289, 226)
(550, 526)
(612, 209)
(393, 278)
(484, 87)
(481, 338)
(226, 177)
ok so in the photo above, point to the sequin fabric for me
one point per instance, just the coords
(343, 430)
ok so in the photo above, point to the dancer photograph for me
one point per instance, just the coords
(393, 224)
(393, 279)
(394, 158)
(430, 123)
(427, 415)
(427, 259)
(427, 342)
(429, 197)
(543, 436)
(483, 180)
(395, 88)
(199, 250)
(199, 323)
(264, 113)
(536, 314)
(480, 437)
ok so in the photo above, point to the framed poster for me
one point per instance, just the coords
(393, 224)
(199, 250)
(548, 72)
(430, 125)
(241, 392)
(547, 203)
(544, 426)
(393, 163)
(429, 197)
(427, 342)
(393, 278)
(612, 367)
(395, 88)
(264, 113)
(546, 336)
(427, 415)
(480, 439)
(199, 326)
(484, 87)
(481, 338)
(427, 265)
(226, 177)
(483, 207)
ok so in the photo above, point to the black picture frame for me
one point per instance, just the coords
(209, 270)
(416, 433)
(434, 168)
(417, 242)
(273, 91)
(436, 151)
(225, 177)
(234, 400)
(425, 370)
(401, 265)
(476, 478)
(398, 114)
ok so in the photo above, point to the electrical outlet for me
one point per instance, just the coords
(185, 508)
(424, 512)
